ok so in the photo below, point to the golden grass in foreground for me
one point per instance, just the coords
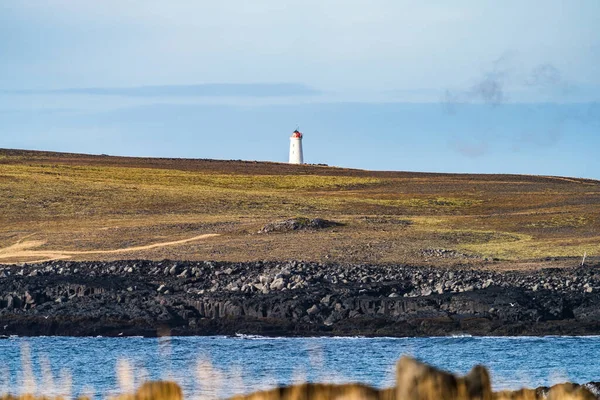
(86, 207)
(414, 381)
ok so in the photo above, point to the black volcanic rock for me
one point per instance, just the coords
(293, 298)
(295, 224)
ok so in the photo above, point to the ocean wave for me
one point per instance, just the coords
(308, 338)
(538, 337)
(257, 337)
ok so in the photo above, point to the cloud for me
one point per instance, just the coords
(451, 100)
(489, 88)
(544, 75)
(200, 90)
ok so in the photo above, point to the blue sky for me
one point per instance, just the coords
(461, 86)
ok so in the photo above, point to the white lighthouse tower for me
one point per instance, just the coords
(296, 156)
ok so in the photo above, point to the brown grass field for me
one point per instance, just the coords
(84, 207)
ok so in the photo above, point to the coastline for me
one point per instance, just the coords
(286, 299)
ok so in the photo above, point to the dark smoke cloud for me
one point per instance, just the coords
(490, 89)
(547, 77)
(544, 75)
(451, 101)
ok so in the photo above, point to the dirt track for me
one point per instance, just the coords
(22, 249)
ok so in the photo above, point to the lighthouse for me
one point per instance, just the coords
(296, 156)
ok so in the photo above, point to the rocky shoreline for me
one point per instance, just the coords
(146, 298)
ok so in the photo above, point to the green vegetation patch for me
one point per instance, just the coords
(385, 220)
(158, 177)
(437, 202)
(529, 248)
(560, 222)
(474, 237)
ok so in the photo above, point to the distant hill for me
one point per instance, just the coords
(88, 207)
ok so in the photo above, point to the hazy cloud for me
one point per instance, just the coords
(544, 75)
(489, 88)
(451, 100)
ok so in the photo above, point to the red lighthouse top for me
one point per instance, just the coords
(297, 134)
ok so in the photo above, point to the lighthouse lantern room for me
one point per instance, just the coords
(296, 156)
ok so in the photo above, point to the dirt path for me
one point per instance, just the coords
(23, 249)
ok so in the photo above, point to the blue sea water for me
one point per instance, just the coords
(222, 366)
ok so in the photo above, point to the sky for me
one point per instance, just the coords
(470, 86)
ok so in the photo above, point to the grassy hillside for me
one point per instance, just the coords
(52, 203)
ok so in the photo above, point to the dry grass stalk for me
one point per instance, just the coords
(414, 381)
(417, 381)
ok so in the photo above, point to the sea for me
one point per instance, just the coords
(221, 366)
